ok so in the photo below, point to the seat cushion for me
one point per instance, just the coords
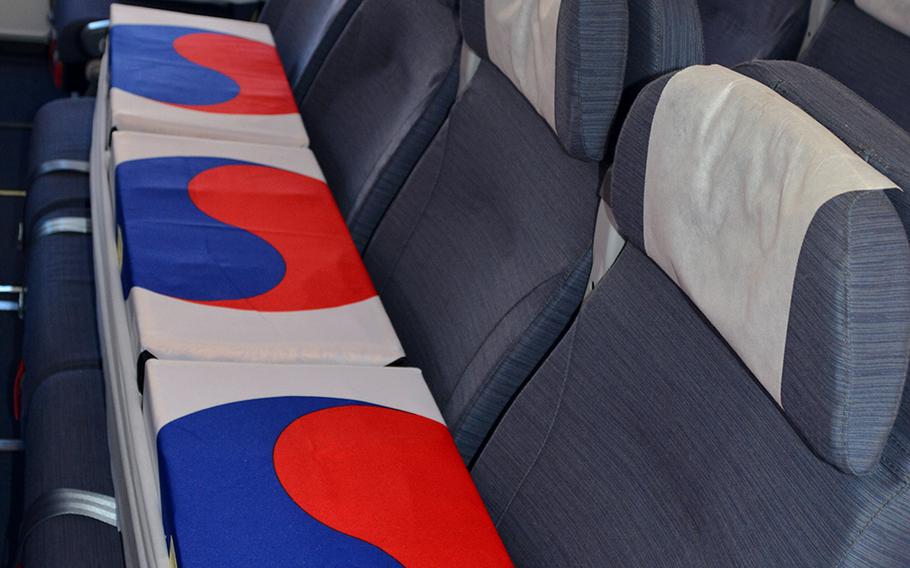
(370, 120)
(875, 67)
(568, 58)
(305, 33)
(494, 180)
(737, 31)
(62, 194)
(646, 425)
(827, 343)
(66, 439)
(60, 326)
(62, 130)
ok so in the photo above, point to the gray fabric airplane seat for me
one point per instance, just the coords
(305, 33)
(737, 31)
(865, 44)
(645, 439)
(66, 449)
(483, 258)
(380, 96)
(60, 332)
(58, 161)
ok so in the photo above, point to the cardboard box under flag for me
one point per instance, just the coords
(237, 252)
(189, 75)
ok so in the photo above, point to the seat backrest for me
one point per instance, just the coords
(685, 432)
(381, 94)
(482, 259)
(304, 34)
(737, 31)
(865, 44)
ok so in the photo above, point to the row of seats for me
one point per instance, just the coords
(481, 254)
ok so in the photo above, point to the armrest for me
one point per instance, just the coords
(93, 37)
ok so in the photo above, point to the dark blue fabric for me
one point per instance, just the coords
(172, 247)
(382, 93)
(737, 31)
(867, 56)
(664, 35)
(60, 327)
(305, 33)
(60, 194)
(644, 424)
(62, 130)
(846, 355)
(480, 241)
(844, 366)
(591, 42)
(145, 62)
(519, 363)
(371, 205)
(234, 443)
(65, 435)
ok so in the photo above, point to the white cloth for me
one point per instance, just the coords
(123, 14)
(735, 174)
(521, 41)
(356, 334)
(893, 13)
(176, 389)
(132, 112)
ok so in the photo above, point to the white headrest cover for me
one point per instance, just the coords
(893, 13)
(731, 186)
(521, 41)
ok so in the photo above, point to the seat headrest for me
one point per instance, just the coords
(567, 57)
(784, 239)
(893, 13)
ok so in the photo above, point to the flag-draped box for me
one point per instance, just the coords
(237, 252)
(341, 466)
(173, 73)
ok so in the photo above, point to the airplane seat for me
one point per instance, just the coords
(58, 161)
(378, 99)
(60, 329)
(304, 34)
(684, 436)
(737, 31)
(865, 44)
(69, 19)
(67, 468)
(483, 258)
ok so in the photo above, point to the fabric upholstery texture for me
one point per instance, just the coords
(66, 440)
(481, 240)
(865, 55)
(369, 121)
(845, 362)
(683, 457)
(60, 327)
(663, 35)
(644, 424)
(62, 130)
(304, 33)
(590, 43)
(60, 194)
(737, 31)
